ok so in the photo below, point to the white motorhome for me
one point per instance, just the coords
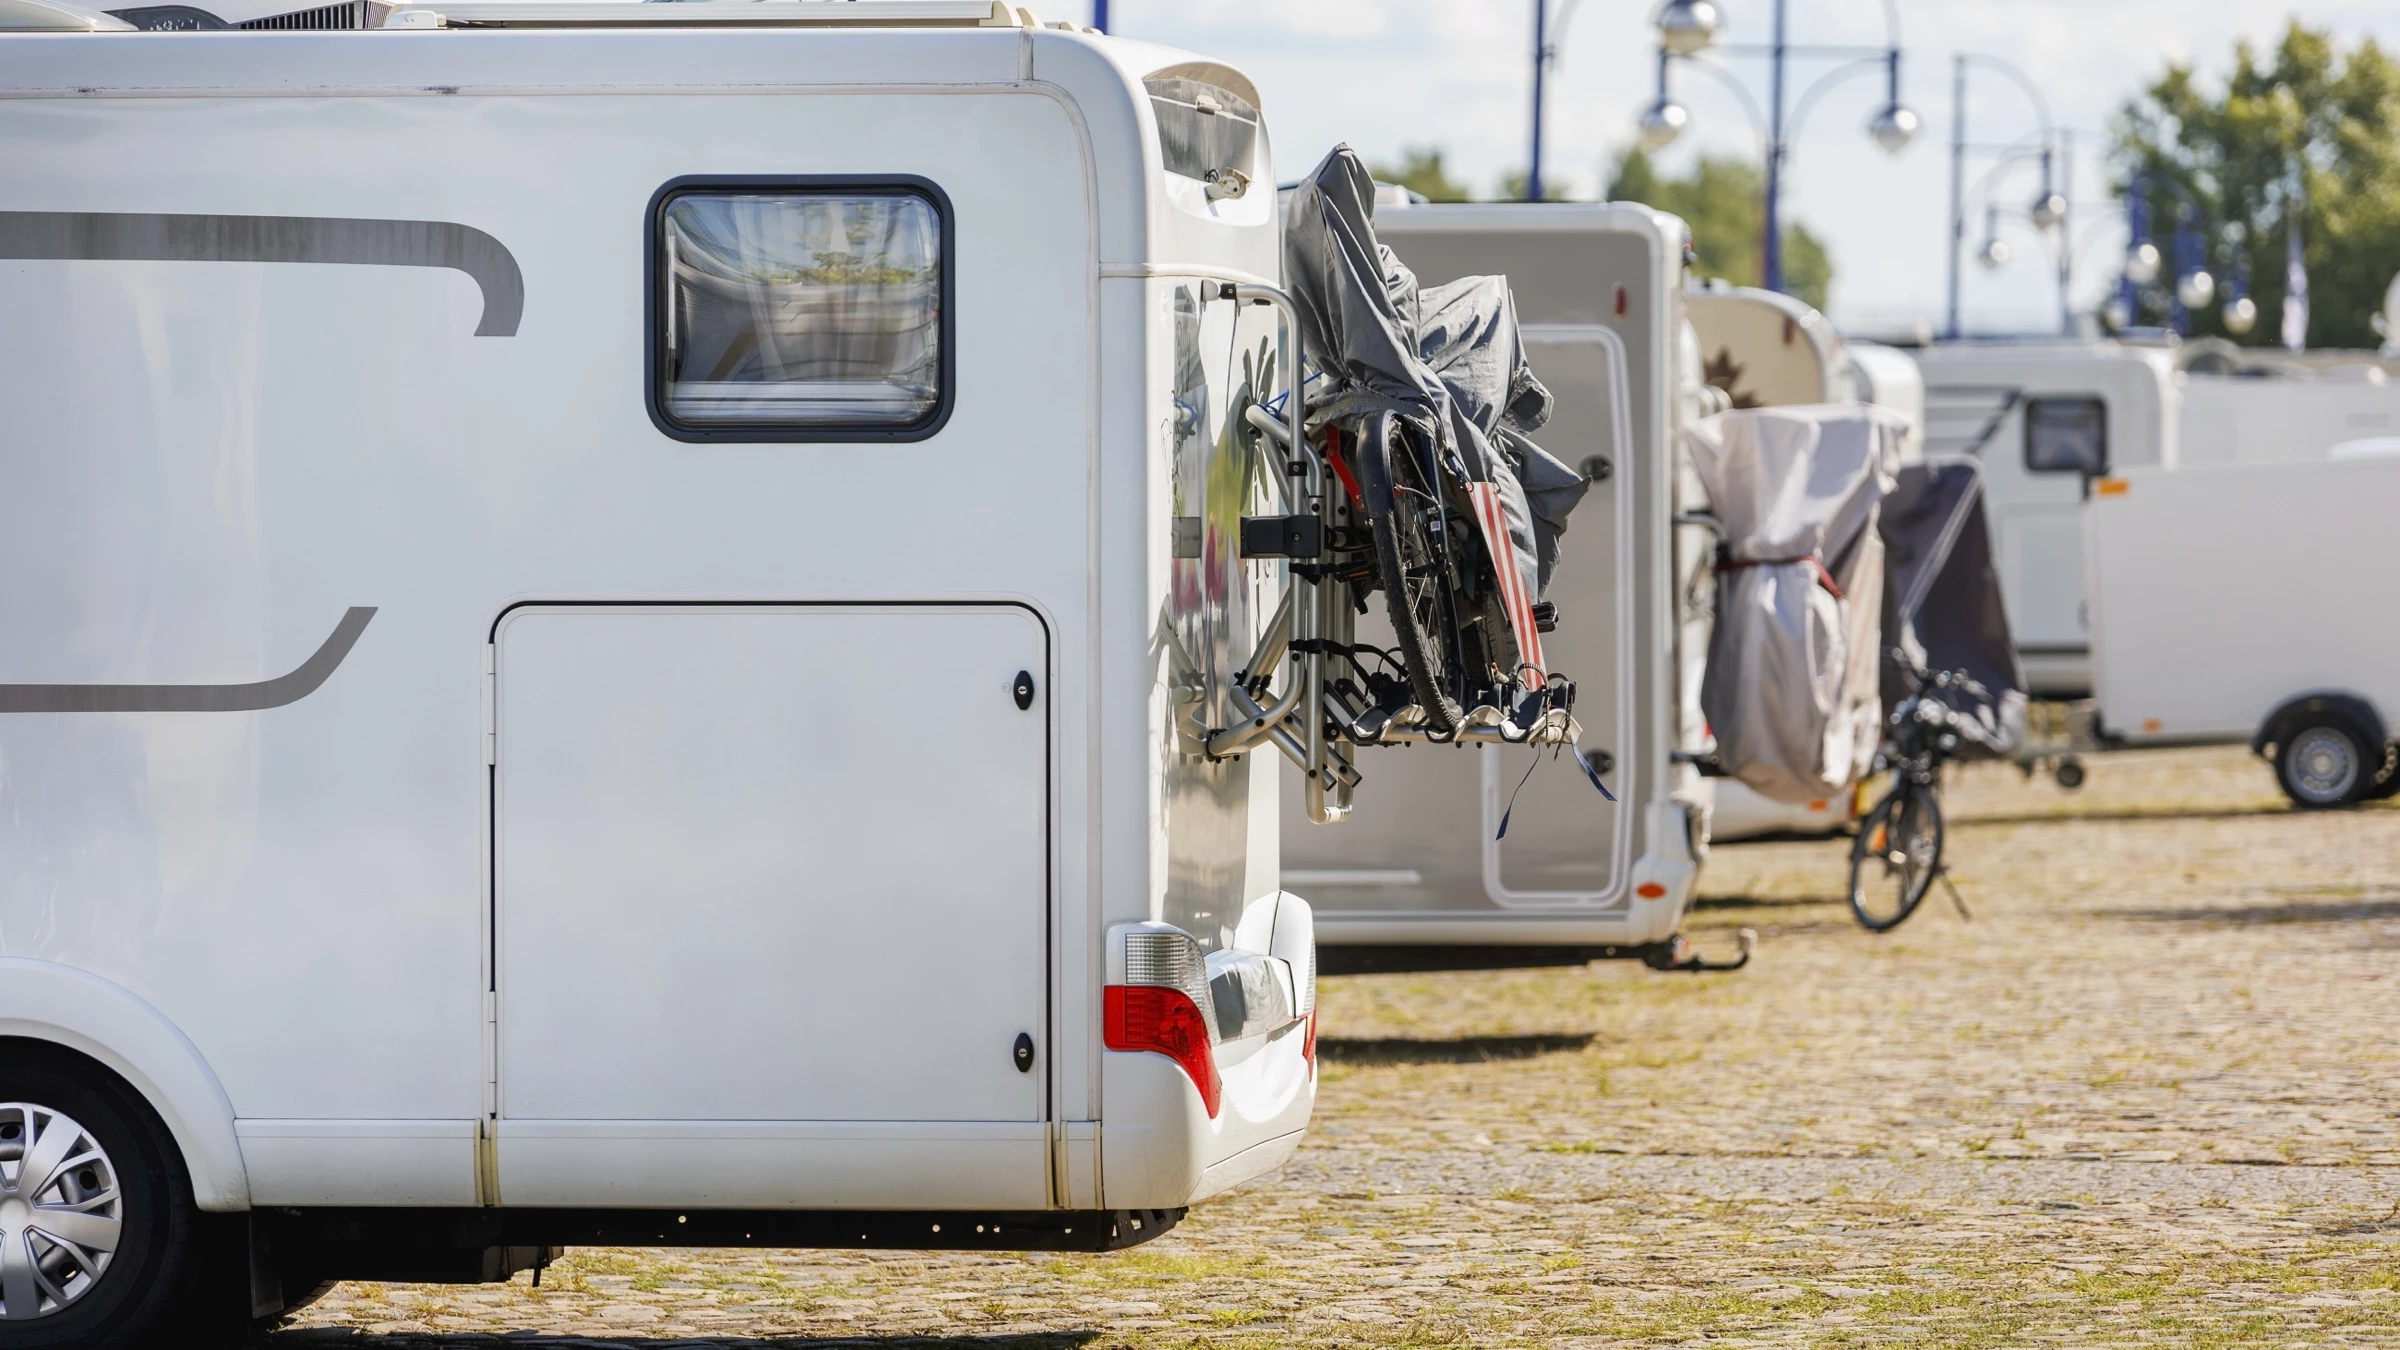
(2046, 418)
(1421, 878)
(600, 601)
(2252, 603)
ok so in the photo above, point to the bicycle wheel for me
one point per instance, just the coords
(1894, 858)
(1413, 559)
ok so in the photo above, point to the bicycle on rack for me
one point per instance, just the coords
(1897, 855)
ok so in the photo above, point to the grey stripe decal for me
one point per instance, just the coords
(274, 693)
(124, 237)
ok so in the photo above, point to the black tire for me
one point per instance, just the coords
(145, 1285)
(2069, 774)
(2322, 763)
(1414, 563)
(1895, 857)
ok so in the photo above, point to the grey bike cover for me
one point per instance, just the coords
(1449, 359)
(1941, 599)
(1793, 665)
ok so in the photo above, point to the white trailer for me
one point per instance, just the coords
(589, 602)
(1421, 879)
(2046, 418)
(2251, 603)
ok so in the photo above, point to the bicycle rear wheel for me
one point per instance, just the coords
(1414, 560)
(1895, 857)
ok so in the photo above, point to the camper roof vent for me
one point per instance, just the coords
(680, 13)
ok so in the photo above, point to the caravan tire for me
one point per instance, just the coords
(2322, 763)
(104, 1248)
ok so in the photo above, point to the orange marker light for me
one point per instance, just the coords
(1650, 890)
(2110, 487)
(2151, 724)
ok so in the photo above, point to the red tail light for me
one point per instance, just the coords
(1167, 1022)
(1308, 1042)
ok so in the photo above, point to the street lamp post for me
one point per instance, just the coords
(1546, 40)
(2049, 209)
(2190, 286)
(1688, 28)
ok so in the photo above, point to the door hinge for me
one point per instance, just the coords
(491, 1052)
(491, 704)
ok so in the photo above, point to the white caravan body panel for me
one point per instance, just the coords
(584, 815)
(1976, 398)
(2219, 593)
(2234, 419)
(1599, 290)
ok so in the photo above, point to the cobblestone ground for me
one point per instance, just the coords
(2144, 1097)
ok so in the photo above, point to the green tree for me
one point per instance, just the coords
(1420, 170)
(1723, 200)
(2334, 115)
(1512, 188)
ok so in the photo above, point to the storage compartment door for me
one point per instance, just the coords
(764, 863)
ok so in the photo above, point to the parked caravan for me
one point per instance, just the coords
(2250, 603)
(589, 602)
(1423, 877)
(2044, 419)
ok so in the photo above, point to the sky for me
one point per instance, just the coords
(1386, 75)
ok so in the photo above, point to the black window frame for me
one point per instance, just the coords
(654, 369)
(2095, 401)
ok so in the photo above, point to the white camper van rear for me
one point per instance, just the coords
(584, 642)
(1423, 876)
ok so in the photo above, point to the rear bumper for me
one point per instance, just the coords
(1160, 1150)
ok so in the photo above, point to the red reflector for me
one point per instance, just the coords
(1163, 1021)
(1620, 302)
(1649, 890)
(1308, 1042)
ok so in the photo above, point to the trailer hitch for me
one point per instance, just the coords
(1678, 954)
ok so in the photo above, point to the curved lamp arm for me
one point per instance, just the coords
(1825, 82)
(2041, 106)
(1758, 115)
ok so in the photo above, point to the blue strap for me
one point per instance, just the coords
(1588, 772)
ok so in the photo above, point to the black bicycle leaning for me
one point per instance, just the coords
(1898, 853)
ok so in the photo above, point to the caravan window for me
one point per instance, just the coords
(785, 311)
(2066, 435)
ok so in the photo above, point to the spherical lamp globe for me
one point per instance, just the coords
(1688, 27)
(2141, 263)
(1661, 123)
(1894, 128)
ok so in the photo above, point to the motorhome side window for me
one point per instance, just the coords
(799, 313)
(2066, 435)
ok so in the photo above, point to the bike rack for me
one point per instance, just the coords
(1308, 613)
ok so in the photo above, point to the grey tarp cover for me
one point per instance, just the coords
(1447, 358)
(1941, 598)
(1791, 686)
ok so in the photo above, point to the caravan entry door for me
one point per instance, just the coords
(771, 905)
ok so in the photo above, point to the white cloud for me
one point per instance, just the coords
(1388, 74)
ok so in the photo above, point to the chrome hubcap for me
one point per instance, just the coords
(60, 1211)
(2325, 763)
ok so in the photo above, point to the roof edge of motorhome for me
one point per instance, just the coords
(739, 13)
